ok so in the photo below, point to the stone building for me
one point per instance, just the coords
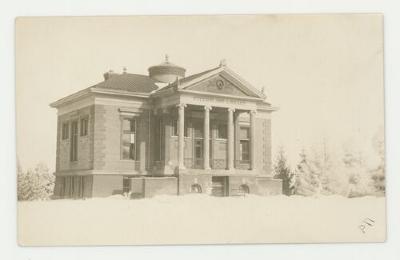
(165, 133)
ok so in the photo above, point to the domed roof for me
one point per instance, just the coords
(166, 72)
(167, 64)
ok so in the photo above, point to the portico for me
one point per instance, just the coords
(210, 136)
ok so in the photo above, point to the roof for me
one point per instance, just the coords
(188, 78)
(136, 84)
(128, 82)
(244, 86)
(166, 64)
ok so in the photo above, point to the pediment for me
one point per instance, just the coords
(217, 84)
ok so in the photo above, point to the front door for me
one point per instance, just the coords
(220, 186)
(198, 153)
(198, 144)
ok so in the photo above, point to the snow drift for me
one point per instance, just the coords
(201, 219)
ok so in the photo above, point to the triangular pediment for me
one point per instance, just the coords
(217, 84)
(223, 82)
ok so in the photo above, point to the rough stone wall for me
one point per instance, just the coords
(236, 181)
(263, 146)
(107, 185)
(63, 186)
(160, 186)
(85, 143)
(107, 140)
(187, 180)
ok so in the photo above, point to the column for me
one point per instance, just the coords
(206, 133)
(142, 142)
(181, 137)
(237, 138)
(142, 155)
(252, 139)
(231, 144)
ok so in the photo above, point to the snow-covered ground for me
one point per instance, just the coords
(201, 219)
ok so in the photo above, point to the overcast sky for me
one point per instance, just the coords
(325, 73)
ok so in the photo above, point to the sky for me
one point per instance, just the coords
(324, 72)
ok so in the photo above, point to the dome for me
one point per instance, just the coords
(166, 72)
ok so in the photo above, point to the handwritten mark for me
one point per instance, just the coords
(366, 224)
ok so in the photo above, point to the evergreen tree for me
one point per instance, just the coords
(282, 171)
(378, 174)
(308, 181)
(35, 184)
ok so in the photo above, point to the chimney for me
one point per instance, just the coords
(109, 74)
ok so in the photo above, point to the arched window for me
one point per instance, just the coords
(244, 189)
(196, 188)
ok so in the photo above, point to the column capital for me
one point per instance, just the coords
(231, 109)
(181, 105)
(253, 111)
(208, 108)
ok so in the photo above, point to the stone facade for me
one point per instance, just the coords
(208, 133)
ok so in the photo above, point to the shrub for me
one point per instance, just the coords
(35, 184)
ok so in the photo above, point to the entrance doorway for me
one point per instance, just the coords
(198, 153)
(220, 186)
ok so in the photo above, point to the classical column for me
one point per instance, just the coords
(237, 138)
(142, 154)
(252, 139)
(181, 137)
(231, 138)
(206, 131)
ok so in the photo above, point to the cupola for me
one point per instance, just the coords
(166, 72)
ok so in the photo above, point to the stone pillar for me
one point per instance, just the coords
(252, 139)
(237, 138)
(231, 138)
(142, 127)
(181, 135)
(142, 155)
(206, 133)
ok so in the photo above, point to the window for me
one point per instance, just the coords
(244, 135)
(74, 141)
(65, 131)
(222, 131)
(175, 127)
(84, 126)
(244, 189)
(198, 129)
(126, 185)
(129, 139)
(244, 150)
(195, 188)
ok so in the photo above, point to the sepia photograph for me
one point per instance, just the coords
(200, 129)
